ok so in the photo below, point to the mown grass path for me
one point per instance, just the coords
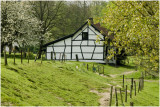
(124, 73)
(105, 96)
(116, 81)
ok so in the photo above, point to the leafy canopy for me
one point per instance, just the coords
(18, 25)
(135, 25)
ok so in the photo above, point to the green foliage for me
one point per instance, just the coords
(18, 55)
(31, 55)
(96, 8)
(135, 25)
(79, 12)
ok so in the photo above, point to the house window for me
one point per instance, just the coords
(84, 35)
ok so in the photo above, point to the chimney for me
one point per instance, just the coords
(91, 20)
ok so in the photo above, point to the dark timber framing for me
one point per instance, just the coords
(79, 34)
(64, 46)
(94, 50)
(71, 47)
(81, 49)
(73, 39)
(88, 33)
(80, 52)
(77, 45)
(53, 50)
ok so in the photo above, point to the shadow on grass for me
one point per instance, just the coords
(12, 69)
(128, 66)
(122, 65)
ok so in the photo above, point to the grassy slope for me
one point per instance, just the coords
(49, 84)
(149, 96)
(62, 84)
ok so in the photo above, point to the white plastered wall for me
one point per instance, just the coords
(86, 46)
(59, 48)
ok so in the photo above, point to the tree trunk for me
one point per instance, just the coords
(40, 49)
(10, 49)
(5, 58)
(2, 46)
(24, 53)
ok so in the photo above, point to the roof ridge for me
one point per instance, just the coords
(96, 26)
(65, 36)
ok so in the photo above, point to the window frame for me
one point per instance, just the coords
(84, 36)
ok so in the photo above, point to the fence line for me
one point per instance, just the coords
(133, 89)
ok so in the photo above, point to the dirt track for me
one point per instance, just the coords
(105, 96)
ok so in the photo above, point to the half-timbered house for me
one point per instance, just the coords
(82, 43)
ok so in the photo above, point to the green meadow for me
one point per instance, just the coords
(68, 83)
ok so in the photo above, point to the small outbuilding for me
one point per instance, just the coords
(82, 44)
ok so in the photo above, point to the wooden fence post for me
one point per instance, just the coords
(139, 85)
(123, 81)
(28, 55)
(142, 76)
(77, 57)
(98, 69)
(131, 92)
(110, 102)
(131, 104)
(54, 56)
(21, 57)
(126, 94)
(14, 58)
(5, 57)
(135, 88)
(41, 57)
(132, 81)
(116, 97)
(103, 70)
(64, 56)
(121, 96)
(87, 66)
(51, 55)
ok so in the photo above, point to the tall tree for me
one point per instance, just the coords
(72, 16)
(96, 8)
(47, 12)
(135, 25)
(18, 25)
